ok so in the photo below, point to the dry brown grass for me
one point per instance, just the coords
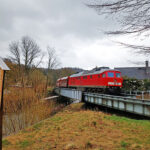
(23, 107)
(75, 128)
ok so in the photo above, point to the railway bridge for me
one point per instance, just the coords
(123, 103)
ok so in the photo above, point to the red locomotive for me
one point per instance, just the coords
(100, 79)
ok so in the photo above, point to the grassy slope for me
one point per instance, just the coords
(75, 128)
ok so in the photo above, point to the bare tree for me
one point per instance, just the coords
(132, 15)
(25, 52)
(15, 52)
(30, 51)
(52, 62)
(52, 58)
(27, 55)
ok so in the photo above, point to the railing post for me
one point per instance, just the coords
(142, 95)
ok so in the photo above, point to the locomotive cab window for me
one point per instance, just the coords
(110, 74)
(104, 75)
(118, 75)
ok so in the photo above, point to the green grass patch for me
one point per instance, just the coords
(128, 120)
(24, 144)
(124, 144)
(37, 126)
(56, 119)
(30, 136)
(6, 142)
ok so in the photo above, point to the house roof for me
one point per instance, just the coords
(135, 72)
(3, 66)
(63, 78)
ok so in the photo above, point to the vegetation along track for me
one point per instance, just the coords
(80, 129)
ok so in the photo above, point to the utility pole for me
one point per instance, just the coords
(3, 69)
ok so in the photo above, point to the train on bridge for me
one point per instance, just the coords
(101, 79)
(77, 86)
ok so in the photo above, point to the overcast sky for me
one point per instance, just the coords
(75, 31)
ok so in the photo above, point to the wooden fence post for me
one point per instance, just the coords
(2, 76)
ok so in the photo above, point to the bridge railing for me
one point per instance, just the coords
(133, 105)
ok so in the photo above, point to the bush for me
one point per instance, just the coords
(133, 84)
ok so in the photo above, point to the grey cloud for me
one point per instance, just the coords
(68, 25)
(58, 18)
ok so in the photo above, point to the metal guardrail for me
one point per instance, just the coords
(128, 104)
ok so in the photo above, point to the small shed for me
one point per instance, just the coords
(3, 68)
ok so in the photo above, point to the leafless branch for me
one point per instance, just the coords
(52, 61)
(52, 58)
(30, 51)
(15, 52)
(141, 49)
(133, 15)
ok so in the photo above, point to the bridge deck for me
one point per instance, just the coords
(128, 104)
